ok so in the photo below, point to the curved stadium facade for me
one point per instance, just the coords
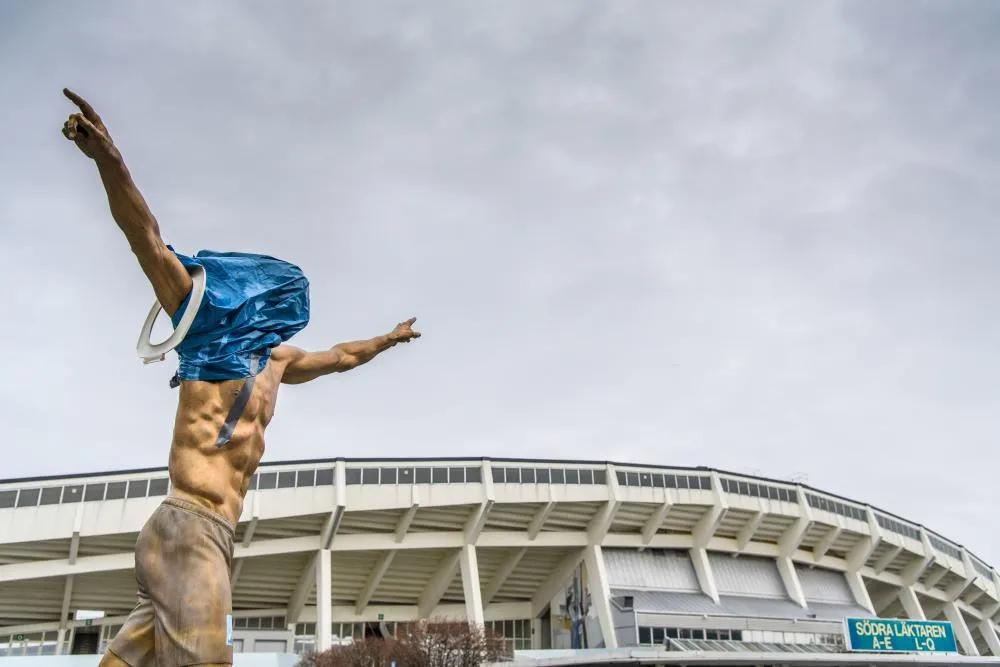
(551, 554)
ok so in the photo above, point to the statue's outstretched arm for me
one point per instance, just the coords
(301, 366)
(170, 280)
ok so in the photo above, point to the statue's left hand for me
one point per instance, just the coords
(404, 333)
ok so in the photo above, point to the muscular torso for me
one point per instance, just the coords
(217, 478)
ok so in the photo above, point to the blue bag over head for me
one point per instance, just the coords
(252, 304)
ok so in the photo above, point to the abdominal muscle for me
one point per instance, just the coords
(217, 478)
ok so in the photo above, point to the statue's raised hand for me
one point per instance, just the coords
(87, 131)
(404, 333)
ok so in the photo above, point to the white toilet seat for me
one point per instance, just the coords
(150, 352)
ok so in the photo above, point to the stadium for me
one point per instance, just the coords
(653, 564)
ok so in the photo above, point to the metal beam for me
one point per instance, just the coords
(826, 542)
(886, 559)
(790, 540)
(703, 570)
(439, 583)
(541, 516)
(989, 633)
(374, 579)
(502, 574)
(790, 578)
(655, 521)
(304, 586)
(934, 579)
(911, 604)
(748, 531)
(477, 521)
(247, 537)
(858, 589)
(544, 593)
(962, 634)
(913, 571)
(403, 526)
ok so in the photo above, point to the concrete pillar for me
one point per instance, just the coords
(600, 593)
(470, 585)
(324, 600)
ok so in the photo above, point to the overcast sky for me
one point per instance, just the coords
(756, 236)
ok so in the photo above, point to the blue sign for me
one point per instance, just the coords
(895, 635)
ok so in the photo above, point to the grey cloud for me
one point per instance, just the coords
(757, 237)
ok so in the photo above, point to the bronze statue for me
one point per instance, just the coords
(232, 361)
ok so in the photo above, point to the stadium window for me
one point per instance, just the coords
(706, 483)
(711, 634)
(240, 623)
(793, 496)
(645, 480)
(74, 494)
(682, 482)
(157, 487)
(783, 494)
(27, 498)
(266, 623)
(93, 492)
(586, 476)
(736, 635)
(772, 492)
(672, 633)
(253, 623)
(743, 488)
(621, 477)
(388, 476)
(286, 479)
(572, 476)
(697, 633)
(456, 475)
(513, 475)
(473, 475)
(51, 495)
(558, 476)
(632, 479)
(306, 478)
(8, 499)
(324, 477)
(138, 488)
(601, 476)
(267, 481)
(754, 490)
(528, 475)
(658, 635)
(369, 476)
(422, 475)
(684, 633)
(645, 635)
(657, 479)
(670, 481)
(116, 491)
(405, 476)
(498, 477)
(352, 476)
(542, 476)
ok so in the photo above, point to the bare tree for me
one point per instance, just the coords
(419, 644)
